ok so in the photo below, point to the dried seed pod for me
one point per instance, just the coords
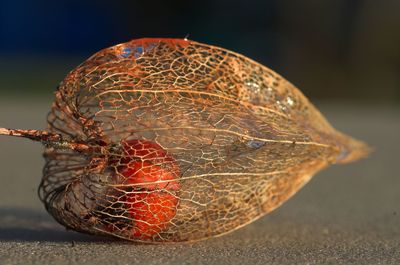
(160, 140)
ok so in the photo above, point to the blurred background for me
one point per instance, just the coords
(336, 50)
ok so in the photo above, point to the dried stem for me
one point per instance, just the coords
(49, 139)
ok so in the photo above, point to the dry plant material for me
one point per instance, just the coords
(166, 140)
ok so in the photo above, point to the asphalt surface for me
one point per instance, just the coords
(347, 214)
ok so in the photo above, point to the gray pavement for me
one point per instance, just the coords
(346, 215)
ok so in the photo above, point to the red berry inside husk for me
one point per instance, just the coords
(151, 212)
(150, 175)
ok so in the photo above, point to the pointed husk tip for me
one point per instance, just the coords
(351, 149)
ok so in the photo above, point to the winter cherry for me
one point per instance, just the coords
(150, 203)
(247, 138)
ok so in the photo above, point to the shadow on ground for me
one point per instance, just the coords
(19, 224)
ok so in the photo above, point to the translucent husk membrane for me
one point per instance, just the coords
(164, 140)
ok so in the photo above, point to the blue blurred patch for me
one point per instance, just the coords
(255, 144)
(126, 52)
(136, 51)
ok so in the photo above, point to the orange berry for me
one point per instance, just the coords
(149, 176)
(150, 173)
(151, 212)
(140, 154)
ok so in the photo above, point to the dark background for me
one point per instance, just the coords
(337, 50)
